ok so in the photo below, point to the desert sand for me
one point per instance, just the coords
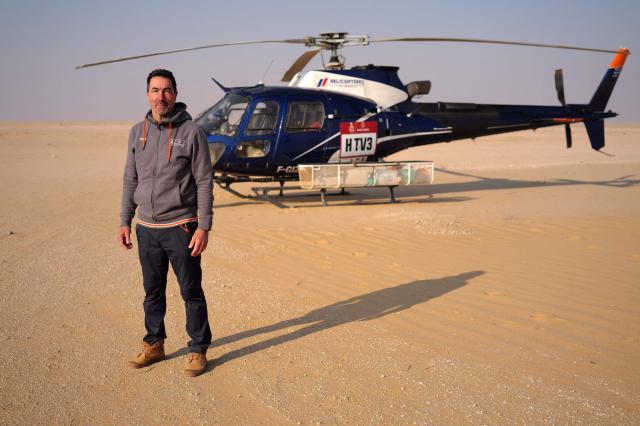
(505, 293)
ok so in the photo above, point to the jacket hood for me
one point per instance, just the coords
(179, 115)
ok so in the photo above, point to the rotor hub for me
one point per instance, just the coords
(334, 41)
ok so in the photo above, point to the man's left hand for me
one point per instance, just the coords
(199, 242)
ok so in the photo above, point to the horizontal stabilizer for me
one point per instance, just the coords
(595, 130)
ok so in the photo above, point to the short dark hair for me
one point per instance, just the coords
(162, 73)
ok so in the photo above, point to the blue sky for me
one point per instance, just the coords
(42, 42)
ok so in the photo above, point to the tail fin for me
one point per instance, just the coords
(595, 130)
(603, 92)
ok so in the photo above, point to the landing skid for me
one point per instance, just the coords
(262, 192)
(225, 181)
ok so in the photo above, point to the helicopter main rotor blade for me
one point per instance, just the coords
(479, 40)
(147, 55)
(299, 64)
(335, 41)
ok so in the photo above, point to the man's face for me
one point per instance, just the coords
(161, 97)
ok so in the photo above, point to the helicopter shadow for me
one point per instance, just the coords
(365, 307)
(481, 183)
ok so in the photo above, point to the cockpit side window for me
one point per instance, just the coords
(225, 116)
(263, 119)
(305, 117)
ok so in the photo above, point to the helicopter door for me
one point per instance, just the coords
(305, 127)
(257, 140)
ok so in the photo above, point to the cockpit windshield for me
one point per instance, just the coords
(224, 117)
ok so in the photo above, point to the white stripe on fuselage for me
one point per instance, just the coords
(382, 139)
(364, 117)
(410, 135)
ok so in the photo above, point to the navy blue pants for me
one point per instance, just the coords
(156, 248)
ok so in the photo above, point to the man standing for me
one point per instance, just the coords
(168, 177)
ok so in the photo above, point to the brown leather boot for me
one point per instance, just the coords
(196, 364)
(149, 355)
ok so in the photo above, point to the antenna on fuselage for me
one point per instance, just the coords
(223, 88)
(265, 73)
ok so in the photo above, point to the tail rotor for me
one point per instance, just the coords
(560, 90)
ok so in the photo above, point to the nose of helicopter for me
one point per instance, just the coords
(218, 147)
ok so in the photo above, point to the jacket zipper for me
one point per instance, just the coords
(155, 168)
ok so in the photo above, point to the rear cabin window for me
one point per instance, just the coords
(263, 119)
(253, 149)
(305, 116)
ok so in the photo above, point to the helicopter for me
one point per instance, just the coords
(364, 113)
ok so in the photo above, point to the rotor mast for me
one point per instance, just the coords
(334, 41)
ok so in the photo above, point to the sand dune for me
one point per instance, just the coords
(507, 292)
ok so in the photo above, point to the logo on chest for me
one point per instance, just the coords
(178, 143)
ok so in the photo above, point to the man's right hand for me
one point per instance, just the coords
(124, 237)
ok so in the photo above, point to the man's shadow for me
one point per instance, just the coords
(360, 308)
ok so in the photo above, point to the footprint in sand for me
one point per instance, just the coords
(632, 339)
(513, 324)
(321, 242)
(547, 318)
(360, 254)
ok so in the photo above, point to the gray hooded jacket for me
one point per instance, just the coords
(168, 174)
